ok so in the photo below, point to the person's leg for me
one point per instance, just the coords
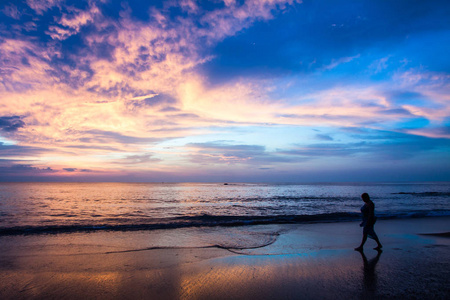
(379, 246)
(364, 239)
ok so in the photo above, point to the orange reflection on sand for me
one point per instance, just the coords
(269, 277)
(81, 284)
(224, 279)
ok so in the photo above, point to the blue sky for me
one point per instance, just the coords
(248, 91)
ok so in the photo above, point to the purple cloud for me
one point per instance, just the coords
(11, 123)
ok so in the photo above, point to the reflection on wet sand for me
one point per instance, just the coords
(269, 277)
(70, 285)
(305, 263)
(176, 274)
(370, 278)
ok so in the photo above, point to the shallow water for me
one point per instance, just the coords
(49, 207)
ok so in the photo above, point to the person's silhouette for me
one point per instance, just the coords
(369, 219)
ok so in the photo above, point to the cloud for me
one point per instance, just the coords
(153, 100)
(105, 83)
(21, 151)
(11, 123)
(41, 6)
(70, 24)
(221, 145)
(138, 159)
(108, 136)
(343, 60)
(19, 171)
(161, 54)
(220, 152)
(397, 112)
(24, 169)
(324, 137)
(375, 145)
(11, 11)
(94, 58)
(58, 33)
(402, 97)
(327, 150)
(379, 65)
(149, 52)
(169, 109)
(92, 147)
(72, 170)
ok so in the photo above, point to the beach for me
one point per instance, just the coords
(278, 261)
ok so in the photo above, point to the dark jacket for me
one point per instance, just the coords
(368, 212)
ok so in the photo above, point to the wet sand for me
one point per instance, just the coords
(305, 261)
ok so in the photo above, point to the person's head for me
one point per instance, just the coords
(365, 197)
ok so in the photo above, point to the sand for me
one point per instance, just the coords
(304, 261)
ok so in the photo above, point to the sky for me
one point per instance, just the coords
(225, 91)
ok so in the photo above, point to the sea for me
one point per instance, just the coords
(47, 208)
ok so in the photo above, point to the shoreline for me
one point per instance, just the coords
(214, 222)
(291, 261)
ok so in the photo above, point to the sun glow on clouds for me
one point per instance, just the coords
(103, 91)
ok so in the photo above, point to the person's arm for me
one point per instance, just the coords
(364, 212)
(371, 214)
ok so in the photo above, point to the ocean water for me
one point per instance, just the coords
(35, 208)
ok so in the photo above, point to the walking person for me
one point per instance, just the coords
(369, 219)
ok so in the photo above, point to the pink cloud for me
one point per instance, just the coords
(71, 23)
(97, 113)
(40, 6)
(11, 11)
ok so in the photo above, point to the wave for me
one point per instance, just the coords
(209, 221)
(424, 194)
